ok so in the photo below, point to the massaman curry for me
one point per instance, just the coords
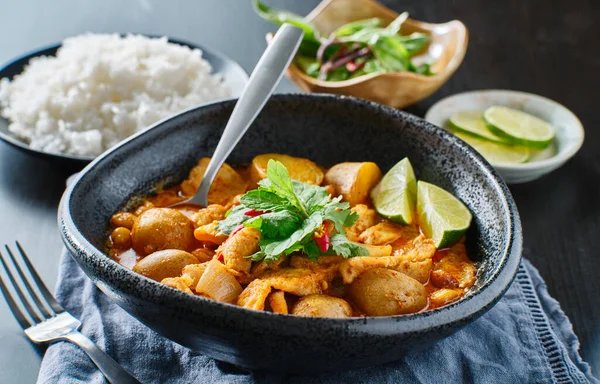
(287, 236)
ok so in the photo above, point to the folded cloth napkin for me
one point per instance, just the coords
(525, 338)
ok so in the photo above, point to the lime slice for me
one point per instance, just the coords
(519, 127)
(396, 194)
(497, 153)
(471, 122)
(443, 218)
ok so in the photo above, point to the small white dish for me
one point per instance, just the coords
(569, 131)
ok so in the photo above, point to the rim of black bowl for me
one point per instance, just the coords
(8, 70)
(471, 306)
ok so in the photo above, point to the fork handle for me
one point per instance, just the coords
(113, 372)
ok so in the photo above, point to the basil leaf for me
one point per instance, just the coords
(273, 248)
(344, 247)
(311, 249)
(281, 183)
(313, 197)
(264, 200)
(355, 26)
(275, 224)
(233, 219)
(279, 17)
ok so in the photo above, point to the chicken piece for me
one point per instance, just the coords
(419, 270)
(297, 281)
(227, 184)
(255, 295)
(366, 219)
(378, 250)
(381, 234)
(301, 261)
(192, 274)
(407, 236)
(210, 234)
(213, 212)
(237, 248)
(203, 254)
(259, 268)
(444, 296)
(455, 270)
(177, 283)
(418, 249)
(278, 303)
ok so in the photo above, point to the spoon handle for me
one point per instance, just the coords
(265, 77)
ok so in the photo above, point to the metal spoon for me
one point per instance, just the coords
(263, 80)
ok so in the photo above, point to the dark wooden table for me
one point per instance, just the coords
(542, 46)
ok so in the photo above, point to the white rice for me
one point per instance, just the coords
(100, 89)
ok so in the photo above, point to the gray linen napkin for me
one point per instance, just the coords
(525, 338)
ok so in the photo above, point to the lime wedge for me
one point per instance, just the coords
(443, 218)
(396, 194)
(471, 122)
(497, 153)
(519, 127)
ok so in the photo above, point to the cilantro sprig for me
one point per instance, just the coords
(290, 212)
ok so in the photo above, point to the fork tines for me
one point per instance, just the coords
(36, 305)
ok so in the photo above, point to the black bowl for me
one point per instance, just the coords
(233, 76)
(328, 130)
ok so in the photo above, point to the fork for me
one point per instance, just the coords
(44, 320)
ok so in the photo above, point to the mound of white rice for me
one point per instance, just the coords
(100, 89)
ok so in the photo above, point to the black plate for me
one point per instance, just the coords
(328, 130)
(233, 76)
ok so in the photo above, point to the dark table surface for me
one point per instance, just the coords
(545, 47)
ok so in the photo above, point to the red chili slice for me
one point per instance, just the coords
(237, 229)
(322, 238)
(254, 213)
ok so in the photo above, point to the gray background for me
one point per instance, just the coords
(541, 52)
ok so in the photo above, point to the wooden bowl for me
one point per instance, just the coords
(446, 51)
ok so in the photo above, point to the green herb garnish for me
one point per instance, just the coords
(288, 213)
(354, 49)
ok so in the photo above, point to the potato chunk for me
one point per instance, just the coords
(354, 180)
(383, 292)
(322, 306)
(299, 169)
(224, 188)
(255, 295)
(162, 264)
(237, 248)
(162, 228)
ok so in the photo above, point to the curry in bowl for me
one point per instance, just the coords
(288, 236)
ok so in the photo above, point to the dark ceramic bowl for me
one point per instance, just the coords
(328, 130)
(233, 76)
